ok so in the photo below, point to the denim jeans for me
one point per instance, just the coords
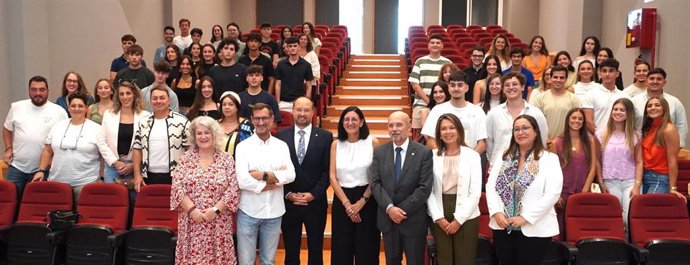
(653, 182)
(19, 179)
(621, 189)
(109, 176)
(268, 233)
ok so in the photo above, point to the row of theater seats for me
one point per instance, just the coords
(457, 41)
(595, 234)
(102, 234)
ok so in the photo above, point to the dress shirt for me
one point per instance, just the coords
(402, 152)
(307, 136)
(499, 127)
(271, 155)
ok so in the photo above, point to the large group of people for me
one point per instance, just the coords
(204, 121)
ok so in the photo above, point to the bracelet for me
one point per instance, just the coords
(674, 188)
(346, 201)
(366, 199)
(191, 209)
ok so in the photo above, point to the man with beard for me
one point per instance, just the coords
(306, 202)
(168, 35)
(26, 127)
(401, 174)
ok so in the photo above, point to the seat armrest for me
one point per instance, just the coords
(117, 239)
(56, 237)
(3, 232)
(173, 240)
(641, 253)
(570, 248)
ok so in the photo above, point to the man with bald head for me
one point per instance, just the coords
(306, 202)
(401, 176)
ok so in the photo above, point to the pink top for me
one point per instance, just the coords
(617, 162)
(575, 173)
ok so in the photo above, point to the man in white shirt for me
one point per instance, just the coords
(472, 117)
(26, 127)
(656, 80)
(598, 101)
(184, 39)
(263, 168)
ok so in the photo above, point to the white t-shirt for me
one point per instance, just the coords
(634, 90)
(30, 124)
(581, 89)
(600, 100)
(159, 154)
(472, 117)
(75, 152)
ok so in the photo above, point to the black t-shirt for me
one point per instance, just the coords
(263, 97)
(265, 62)
(142, 77)
(473, 76)
(292, 78)
(228, 78)
(270, 48)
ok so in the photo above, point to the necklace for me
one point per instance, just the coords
(453, 153)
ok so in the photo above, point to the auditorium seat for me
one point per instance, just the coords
(104, 210)
(152, 238)
(8, 211)
(485, 250)
(30, 240)
(659, 223)
(594, 225)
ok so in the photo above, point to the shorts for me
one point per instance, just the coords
(417, 116)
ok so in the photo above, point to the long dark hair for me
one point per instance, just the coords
(486, 106)
(582, 134)
(199, 100)
(213, 36)
(570, 66)
(537, 147)
(444, 87)
(597, 46)
(458, 127)
(498, 63)
(363, 131)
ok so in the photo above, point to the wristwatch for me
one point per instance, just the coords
(265, 177)
(42, 170)
(215, 209)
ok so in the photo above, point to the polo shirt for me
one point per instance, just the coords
(292, 78)
(600, 100)
(265, 63)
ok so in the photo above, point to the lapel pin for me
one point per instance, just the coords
(412, 153)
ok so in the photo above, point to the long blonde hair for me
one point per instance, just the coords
(630, 135)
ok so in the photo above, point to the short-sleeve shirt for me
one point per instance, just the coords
(472, 117)
(600, 100)
(228, 78)
(499, 127)
(269, 48)
(75, 148)
(425, 73)
(472, 76)
(292, 78)
(29, 134)
(263, 97)
(265, 63)
(555, 109)
(177, 127)
(141, 77)
(120, 63)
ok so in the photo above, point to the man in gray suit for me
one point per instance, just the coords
(401, 179)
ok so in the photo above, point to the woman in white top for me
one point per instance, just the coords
(308, 28)
(521, 193)
(585, 79)
(355, 235)
(72, 148)
(640, 86)
(454, 201)
(118, 127)
(306, 51)
(589, 49)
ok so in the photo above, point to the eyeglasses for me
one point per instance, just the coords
(477, 56)
(65, 136)
(73, 81)
(262, 119)
(521, 129)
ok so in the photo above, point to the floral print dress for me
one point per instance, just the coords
(208, 242)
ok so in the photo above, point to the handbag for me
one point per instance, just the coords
(61, 220)
(127, 182)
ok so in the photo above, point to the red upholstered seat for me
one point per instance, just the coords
(41, 197)
(658, 216)
(152, 208)
(8, 202)
(104, 204)
(593, 215)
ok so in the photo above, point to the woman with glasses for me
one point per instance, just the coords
(523, 187)
(73, 149)
(73, 83)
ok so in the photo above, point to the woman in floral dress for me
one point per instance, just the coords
(206, 194)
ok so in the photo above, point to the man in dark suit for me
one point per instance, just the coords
(401, 179)
(305, 198)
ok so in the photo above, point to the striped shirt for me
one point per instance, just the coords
(425, 73)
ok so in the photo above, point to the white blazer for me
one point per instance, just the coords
(109, 129)
(469, 188)
(538, 200)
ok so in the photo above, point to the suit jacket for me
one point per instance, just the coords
(312, 175)
(410, 194)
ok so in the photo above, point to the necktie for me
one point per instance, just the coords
(300, 147)
(398, 164)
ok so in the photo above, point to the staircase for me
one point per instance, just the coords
(377, 84)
